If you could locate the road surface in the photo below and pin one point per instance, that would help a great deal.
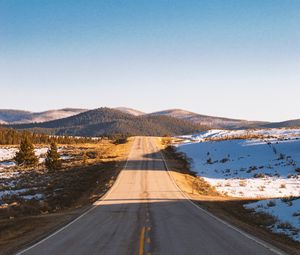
(145, 213)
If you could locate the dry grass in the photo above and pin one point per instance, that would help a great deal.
(67, 192)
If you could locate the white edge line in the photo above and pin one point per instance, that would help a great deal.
(82, 215)
(251, 237)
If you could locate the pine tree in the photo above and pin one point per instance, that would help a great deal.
(53, 161)
(25, 155)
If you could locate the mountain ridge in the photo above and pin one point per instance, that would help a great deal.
(109, 122)
(210, 121)
(11, 116)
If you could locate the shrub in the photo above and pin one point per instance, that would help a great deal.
(209, 161)
(285, 225)
(282, 186)
(91, 154)
(259, 175)
(224, 160)
(288, 199)
(271, 203)
(243, 183)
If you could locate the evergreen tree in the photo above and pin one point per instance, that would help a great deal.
(25, 155)
(53, 161)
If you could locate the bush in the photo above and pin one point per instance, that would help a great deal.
(259, 175)
(289, 199)
(91, 154)
(271, 203)
(285, 225)
(296, 214)
(209, 161)
(282, 186)
(224, 160)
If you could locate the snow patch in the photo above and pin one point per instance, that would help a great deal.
(286, 213)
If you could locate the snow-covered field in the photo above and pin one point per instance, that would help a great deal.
(256, 168)
(286, 213)
(265, 166)
(277, 133)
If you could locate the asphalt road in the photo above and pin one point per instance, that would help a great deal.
(145, 213)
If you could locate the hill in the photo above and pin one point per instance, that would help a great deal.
(209, 121)
(212, 122)
(11, 116)
(130, 111)
(18, 116)
(109, 122)
(288, 123)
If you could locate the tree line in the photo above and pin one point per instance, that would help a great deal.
(9, 136)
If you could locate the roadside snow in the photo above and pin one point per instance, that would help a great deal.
(286, 213)
(248, 168)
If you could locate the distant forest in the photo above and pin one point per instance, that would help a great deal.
(13, 137)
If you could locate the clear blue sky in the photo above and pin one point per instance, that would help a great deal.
(227, 58)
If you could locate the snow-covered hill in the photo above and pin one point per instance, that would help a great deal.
(130, 111)
(222, 134)
(16, 116)
(209, 121)
(266, 167)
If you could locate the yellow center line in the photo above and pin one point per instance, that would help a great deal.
(142, 241)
